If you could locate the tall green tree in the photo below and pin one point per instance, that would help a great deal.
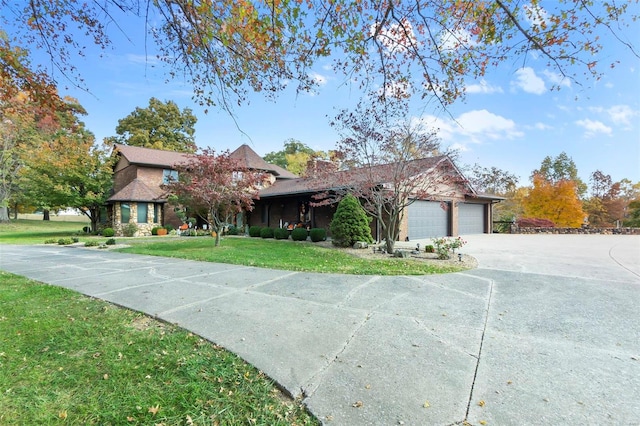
(561, 168)
(226, 48)
(66, 169)
(161, 125)
(350, 223)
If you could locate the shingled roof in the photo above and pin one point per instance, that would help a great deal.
(137, 190)
(377, 174)
(248, 158)
(151, 157)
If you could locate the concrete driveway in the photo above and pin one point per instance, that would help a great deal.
(545, 331)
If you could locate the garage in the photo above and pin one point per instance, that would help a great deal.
(428, 219)
(471, 218)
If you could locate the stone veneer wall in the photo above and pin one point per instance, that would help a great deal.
(144, 229)
(604, 231)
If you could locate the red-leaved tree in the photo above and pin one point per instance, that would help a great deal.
(217, 185)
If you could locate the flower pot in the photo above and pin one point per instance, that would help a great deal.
(162, 231)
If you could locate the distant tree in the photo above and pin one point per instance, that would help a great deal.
(557, 202)
(294, 157)
(492, 180)
(633, 218)
(350, 223)
(161, 125)
(561, 168)
(607, 204)
(386, 171)
(67, 169)
(216, 184)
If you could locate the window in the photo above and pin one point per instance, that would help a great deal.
(125, 213)
(142, 213)
(169, 176)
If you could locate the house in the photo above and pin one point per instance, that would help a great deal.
(139, 173)
(288, 200)
(452, 208)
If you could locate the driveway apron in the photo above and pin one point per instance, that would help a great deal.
(545, 331)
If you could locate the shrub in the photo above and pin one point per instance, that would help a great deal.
(65, 241)
(266, 233)
(350, 223)
(281, 234)
(429, 249)
(91, 243)
(299, 234)
(108, 232)
(86, 229)
(317, 234)
(130, 229)
(534, 222)
(232, 230)
(444, 246)
(169, 228)
(202, 233)
(75, 239)
(111, 242)
(51, 241)
(154, 230)
(254, 231)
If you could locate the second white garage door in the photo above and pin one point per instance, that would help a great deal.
(427, 219)
(470, 218)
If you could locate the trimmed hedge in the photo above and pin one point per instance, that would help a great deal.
(266, 233)
(299, 234)
(254, 231)
(108, 232)
(281, 234)
(317, 234)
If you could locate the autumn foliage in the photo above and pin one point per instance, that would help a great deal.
(217, 186)
(557, 202)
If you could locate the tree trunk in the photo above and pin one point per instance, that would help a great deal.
(4, 214)
(45, 214)
(15, 212)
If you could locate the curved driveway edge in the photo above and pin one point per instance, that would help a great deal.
(546, 331)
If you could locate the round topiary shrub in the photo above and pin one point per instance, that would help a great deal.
(254, 231)
(111, 242)
(317, 234)
(154, 230)
(281, 234)
(108, 232)
(299, 234)
(350, 223)
(266, 233)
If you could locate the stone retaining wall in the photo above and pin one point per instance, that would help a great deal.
(605, 231)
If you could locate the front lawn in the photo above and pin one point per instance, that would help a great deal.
(24, 231)
(69, 359)
(284, 254)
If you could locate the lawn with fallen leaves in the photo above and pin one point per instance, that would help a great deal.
(71, 359)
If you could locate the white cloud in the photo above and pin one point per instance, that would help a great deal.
(593, 127)
(622, 114)
(542, 126)
(483, 87)
(557, 79)
(142, 59)
(535, 15)
(456, 38)
(475, 127)
(320, 79)
(527, 80)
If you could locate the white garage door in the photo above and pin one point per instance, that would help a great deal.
(470, 219)
(427, 219)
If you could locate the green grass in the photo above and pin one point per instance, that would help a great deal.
(283, 254)
(37, 231)
(66, 358)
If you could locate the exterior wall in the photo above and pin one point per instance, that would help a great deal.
(122, 176)
(144, 229)
(152, 177)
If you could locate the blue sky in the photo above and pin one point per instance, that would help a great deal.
(510, 119)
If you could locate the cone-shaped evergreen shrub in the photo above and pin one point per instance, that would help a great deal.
(350, 223)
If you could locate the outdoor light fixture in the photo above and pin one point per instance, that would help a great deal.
(460, 257)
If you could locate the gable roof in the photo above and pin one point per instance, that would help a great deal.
(379, 174)
(151, 157)
(248, 158)
(137, 190)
